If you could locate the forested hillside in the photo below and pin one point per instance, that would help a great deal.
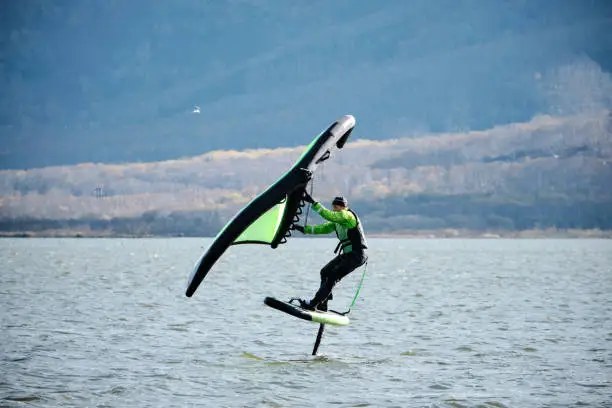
(550, 172)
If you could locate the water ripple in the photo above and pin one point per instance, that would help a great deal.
(441, 323)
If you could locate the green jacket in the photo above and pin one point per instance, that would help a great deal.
(338, 221)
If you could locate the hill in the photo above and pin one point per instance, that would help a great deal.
(550, 172)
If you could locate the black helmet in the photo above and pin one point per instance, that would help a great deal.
(340, 201)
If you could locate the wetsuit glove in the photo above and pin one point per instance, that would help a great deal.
(308, 198)
(298, 228)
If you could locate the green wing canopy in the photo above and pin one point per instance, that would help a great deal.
(264, 229)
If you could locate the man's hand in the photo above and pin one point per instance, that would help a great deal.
(308, 198)
(298, 228)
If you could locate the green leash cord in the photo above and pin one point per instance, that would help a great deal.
(358, 288)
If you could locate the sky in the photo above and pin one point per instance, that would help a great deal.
(117, 81)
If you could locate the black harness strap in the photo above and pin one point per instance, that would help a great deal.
(342, 244)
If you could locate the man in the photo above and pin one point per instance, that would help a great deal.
(352, 244)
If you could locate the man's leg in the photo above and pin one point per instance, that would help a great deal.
(332, 273)
(327, 283)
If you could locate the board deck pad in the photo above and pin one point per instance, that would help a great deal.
(317, 316)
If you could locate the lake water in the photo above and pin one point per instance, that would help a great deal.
(438, 323)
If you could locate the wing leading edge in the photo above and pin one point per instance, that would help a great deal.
(268, 217)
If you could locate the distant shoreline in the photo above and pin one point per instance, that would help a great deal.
(416, 234)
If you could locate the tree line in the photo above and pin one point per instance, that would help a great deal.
(183, 224)
(474, 212)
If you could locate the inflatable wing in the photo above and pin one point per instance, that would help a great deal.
(269, 216)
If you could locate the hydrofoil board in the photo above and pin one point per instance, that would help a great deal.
(317, 316)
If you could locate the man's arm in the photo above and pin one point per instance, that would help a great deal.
(319, 229)
(341, 217)
(315, 229)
